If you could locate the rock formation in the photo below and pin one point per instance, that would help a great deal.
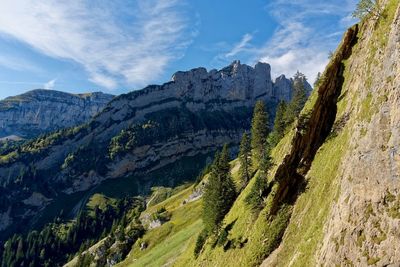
(42, 111)
(139, 132)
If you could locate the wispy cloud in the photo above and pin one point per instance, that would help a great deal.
(307, 31)
(18, 64)
(18, 82)
(226, 52)
(50, 84)
(116, 42)
(241, 46)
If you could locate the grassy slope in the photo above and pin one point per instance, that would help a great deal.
(167, 241)
(245, 225)
(261, 233)
(173, 242)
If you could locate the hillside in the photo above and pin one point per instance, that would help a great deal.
(162, 135)
(41, 111)
(334, 188)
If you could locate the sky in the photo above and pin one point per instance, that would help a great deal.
(116, 46)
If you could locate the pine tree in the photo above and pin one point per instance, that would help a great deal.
(259, 132)
(279, 123)
(318, 80)
(298, 100)
(245, 159)
(260, 189)
(219, 192)
(368, 7)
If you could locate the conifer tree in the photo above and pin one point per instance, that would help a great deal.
(245, 159)
(259, 132)
(368, 8)
(259, 190)
(279, 124)
(219, 192)
(298, 100)
(318, 80)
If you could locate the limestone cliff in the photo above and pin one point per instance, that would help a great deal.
(139, 132)
(41, 111)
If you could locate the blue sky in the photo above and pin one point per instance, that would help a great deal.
(116, 46)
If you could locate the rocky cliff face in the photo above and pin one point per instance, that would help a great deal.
(366, 217)
(353, 184)
(41, 111)
(195, 113)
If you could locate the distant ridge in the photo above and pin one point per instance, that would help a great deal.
(41, 110)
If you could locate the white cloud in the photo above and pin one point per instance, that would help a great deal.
(18, 64)
(132, 43)
(306, 33)
(50, 84)
(226, 52)
(241, 46)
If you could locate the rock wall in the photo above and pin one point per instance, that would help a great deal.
(225, 97)
(347, 211)
(365, 221)
(40, 111)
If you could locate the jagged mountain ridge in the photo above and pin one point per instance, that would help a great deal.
(193, 114)
(41, 111)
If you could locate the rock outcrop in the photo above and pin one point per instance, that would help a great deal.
(195, 113)
(365, 220)
(42, 111)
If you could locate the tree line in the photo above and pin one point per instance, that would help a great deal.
(59, 242)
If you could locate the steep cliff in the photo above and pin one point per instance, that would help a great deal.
(137, 134)
(42, 111)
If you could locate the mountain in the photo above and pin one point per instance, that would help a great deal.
(331, 196)
(42, 111)
(160, 135)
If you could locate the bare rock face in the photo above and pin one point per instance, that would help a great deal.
(282, 88)
(40, 111)
(365, 221)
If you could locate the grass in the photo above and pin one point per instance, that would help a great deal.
(161, 193)
(248, 229)
(367, 109)
(394, 211)
(165, 252)
(100, 201)
(165, 243)
(308, 217)
(311, 210)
